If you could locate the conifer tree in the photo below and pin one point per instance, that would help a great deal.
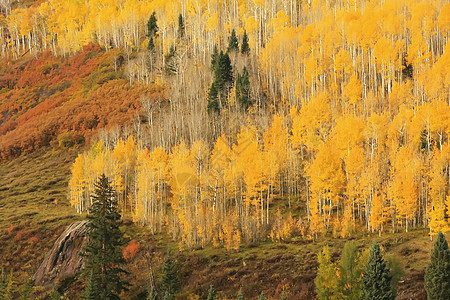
(181, 27)
(151, 44)
(214, 58)
(103, 252)
(170, 280)
(376, 279)
(223, 72)
(152, 26)
(213, 99)
(91, 291)
(245, 48)
(283, 295)
(437, 274)
(233, 44)
(243, 89)
(240, 295)
(262, 296)
(211, 293)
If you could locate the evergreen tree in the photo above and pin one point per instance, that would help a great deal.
(376, 279)
(170, 280)
(214, 58)
(437, 274)
(326, 281)
(245, 48)
(240, 295)
(213, 99)
(151, 44)
(152, 26)
(91, 291)
(181, 27)
(223, 72)
(262, 296)
(103, 252)
(350, 272)
(233, 44)
(283, 295)
(26, 291)
(223, 78)
(211, 293)
(243, 89)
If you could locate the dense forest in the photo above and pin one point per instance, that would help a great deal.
(228, 123)
(342, 105)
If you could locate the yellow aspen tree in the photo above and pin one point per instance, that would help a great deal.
(438, 189)
(77, 183)
(276, 145)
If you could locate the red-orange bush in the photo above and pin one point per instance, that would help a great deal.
(130, 251)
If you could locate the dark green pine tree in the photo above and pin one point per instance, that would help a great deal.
(437, 275)
(376, 281)
(243, 89)
(262, 296)
(103, 252)
(151, 44)
(211, 293)
(233, 44)
(181, 27)
(152, 26)
(91, 292)
(283, 295)
(245, 48)
(214, 58)
(170, 281)
(240, 295)
(223, 79)
(223, 73)
(213, 100)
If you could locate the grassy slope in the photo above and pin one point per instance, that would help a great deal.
(33, 200)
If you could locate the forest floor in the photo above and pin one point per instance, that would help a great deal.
(34, 211)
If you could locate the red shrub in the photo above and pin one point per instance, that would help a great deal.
(11, 228)
(130, 251)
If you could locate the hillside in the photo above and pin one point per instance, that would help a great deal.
(240, 138)
(45, 97)
(37, 211)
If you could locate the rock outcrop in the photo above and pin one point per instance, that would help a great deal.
(64, 258)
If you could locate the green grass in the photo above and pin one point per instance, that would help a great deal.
(33, 207)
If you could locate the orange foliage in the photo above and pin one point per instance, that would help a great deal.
(47, 96)
(130, 251)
